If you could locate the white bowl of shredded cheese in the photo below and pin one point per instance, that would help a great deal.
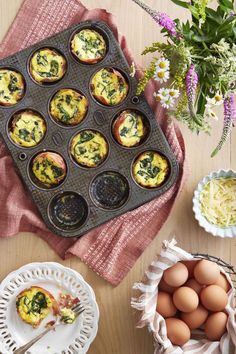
(214, 203)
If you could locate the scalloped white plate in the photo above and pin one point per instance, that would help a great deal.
(203, 222)
(66, 339)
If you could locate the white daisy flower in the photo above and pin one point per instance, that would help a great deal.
(167, 103)
(164, 93)
(209, 113)
(132, 70)
(162, 64)
(174, 93)
(216, 100)
(162, 76)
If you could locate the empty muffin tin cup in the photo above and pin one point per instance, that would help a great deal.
(68, 211)
(109, 190)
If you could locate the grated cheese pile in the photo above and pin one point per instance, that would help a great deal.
(218, 201)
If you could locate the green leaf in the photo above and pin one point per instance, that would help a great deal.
(213, 15)
(181, 3)
(194, 11)
(227, 4)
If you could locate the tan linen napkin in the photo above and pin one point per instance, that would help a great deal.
(147, 303)
(111, 249)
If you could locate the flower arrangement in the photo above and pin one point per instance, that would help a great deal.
(196, 67)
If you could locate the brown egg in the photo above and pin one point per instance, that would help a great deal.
(163, 286)
(165, 305)
(176, 275)
(215, 326)
(185, 299)
(190, 265)
(223, 282)
(206, 272)
(196, 318)
(177, 331)
(214, 298)
(193, 284)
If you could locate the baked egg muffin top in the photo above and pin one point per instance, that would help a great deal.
(109, 86)
(88, 46)
(34, 304)
(49, 168)
(89, 148)
(12, 87)
(128, 128)
(47, 65)
(150, 169)
(27, 128)
(68, 107)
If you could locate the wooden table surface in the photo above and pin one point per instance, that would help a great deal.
(117, 333)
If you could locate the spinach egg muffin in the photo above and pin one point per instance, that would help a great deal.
(34, 304)
(109, 87)
(49, 169)
(129, 129)
(68, 107)
(27, 128)
(47, 66)
(12, 87)
(88, 46)
(89, 148)
(150, 169)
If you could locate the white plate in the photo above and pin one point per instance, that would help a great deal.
(203, 222)
(66, 339)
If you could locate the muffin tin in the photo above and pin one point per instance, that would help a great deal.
(86, 197)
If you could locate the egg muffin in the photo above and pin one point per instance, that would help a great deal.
(68, 107)
(129, 129)
(49, 168)
(27, 128)
(89, 148)
(12, 87)
(47, 66)
(34, 304)
(150, 169)
(88, 46)
(109, 87)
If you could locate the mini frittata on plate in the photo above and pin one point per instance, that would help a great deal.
(109, 86)
(47, 66)
(150, 169)
(89, 148)
(49, 169)
(88, 46)
(34, 304)
(68, 107)
(27, 128)
(129, 128)
(12, 87)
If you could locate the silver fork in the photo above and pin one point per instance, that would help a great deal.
(78, 309)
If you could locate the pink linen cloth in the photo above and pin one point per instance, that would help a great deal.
(112, 248)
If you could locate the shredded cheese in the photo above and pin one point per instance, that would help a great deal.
(218, 201)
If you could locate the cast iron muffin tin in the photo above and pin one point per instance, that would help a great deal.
(87, 197)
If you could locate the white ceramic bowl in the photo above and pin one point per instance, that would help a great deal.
(211, 228)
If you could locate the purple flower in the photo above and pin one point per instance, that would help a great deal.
(166, 22)
(229, 116)
(191, 87)
(160, 17)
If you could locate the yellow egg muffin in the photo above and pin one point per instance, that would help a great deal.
(89, 148)
(47, 65)
(129, 129)
(109, 87)
(150, 169)
(12, 87)
(88, 46)
(49, 168)
(34, 304)
(27, 128)
(68, 107)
